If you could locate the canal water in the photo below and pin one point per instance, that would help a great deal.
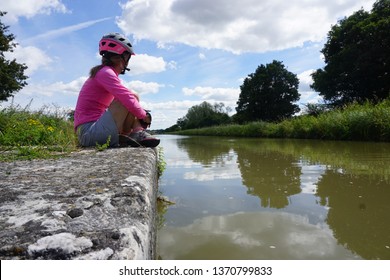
(238, 198)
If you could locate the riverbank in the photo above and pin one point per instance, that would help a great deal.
(88, 205)
(367, 122)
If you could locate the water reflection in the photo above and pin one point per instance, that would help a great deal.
(270, 175)
(252, 236)
(323, 199)
(359, 212)
(200, 150)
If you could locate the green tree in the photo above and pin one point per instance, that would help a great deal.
(204, 115)
(268, 94)
(357, 58)
(12, 78)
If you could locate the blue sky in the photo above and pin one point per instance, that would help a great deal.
(187, 51)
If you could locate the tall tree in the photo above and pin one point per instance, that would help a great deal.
(357, 57)
(268, 94)
(12, 78)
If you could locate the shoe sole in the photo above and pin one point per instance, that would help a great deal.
(125, 141)
(150, 143)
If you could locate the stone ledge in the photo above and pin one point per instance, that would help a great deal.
(90, 205)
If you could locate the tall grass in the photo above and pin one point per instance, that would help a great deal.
(26, 134)
(367, 122)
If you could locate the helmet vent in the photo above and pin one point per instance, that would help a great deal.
(112, 45)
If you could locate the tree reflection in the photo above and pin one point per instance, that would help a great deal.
(205, 150)
(359, 212)
(270, 175)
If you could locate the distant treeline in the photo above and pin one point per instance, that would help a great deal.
(358, 122)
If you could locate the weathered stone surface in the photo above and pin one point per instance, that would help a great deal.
(90, 205)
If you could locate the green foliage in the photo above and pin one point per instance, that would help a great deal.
(26, 135)
(268, 94)
(12, 76)
(357, 58)
(362, 122)
(161, 163)
(204, 115)
(253, 129)
(359, 122)
(103, 147)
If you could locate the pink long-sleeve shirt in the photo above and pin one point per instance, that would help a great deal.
(97, 94)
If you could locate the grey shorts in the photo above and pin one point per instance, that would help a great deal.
(99, 132)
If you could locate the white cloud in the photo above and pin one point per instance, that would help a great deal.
(219, 94)
(143, 87)
(58, 88)
(181, 106)
(143, 63)
(236, 26)
(30, 8)
(309, 97)
(33, 57)
(305, 80)
(307, 94)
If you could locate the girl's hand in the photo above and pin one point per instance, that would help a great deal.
(147, 121)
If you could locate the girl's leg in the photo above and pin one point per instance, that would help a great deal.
(129, 125)
(124, 120)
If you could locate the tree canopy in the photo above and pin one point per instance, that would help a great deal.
(203, 115)
(357, 58)
(12, 78)
(268, 94)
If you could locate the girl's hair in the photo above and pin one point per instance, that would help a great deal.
(108, 59)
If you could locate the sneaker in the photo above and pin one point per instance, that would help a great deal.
(144, 138)
(126, 141)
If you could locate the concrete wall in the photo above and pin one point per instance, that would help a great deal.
(90, 205)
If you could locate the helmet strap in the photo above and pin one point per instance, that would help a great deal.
(126, 62)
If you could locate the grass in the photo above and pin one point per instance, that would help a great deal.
(47, 133)
(356, 122)
(41, 134)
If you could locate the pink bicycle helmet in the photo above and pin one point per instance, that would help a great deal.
(115, 43)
